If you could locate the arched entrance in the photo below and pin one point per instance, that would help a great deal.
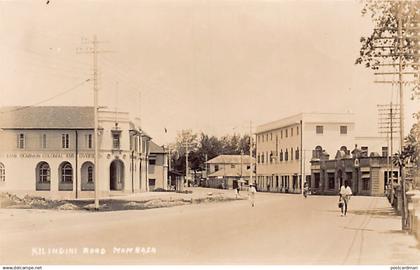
(116, 175)
(88, 176)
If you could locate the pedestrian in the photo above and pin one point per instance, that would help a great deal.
(345, 194)
(252, 192)
(305, 189)
(236, 193)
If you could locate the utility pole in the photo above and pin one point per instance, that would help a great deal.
(251, 171)
(205, 165)
(242, 154)
(94, 51)
(187, 152)
(402, 65)
(187, 171)
(388, 116)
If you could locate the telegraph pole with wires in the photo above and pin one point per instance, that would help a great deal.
(187, 145)
(405, 68)
(251, 171)
(93, 49)
(388, 123)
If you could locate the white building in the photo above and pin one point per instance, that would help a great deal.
(284, 147)
(158, 167)
(229, 171)
(49, 151)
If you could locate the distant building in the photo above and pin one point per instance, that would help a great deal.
(49, 151)
(229, 171)
(365, 174)
(158, 167)
(284, 147)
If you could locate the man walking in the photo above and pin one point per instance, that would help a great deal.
(345, 193)
(252, 192)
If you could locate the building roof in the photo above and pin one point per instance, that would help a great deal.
(156, 149)
(231, 159)
(48, 117)
(313, 117)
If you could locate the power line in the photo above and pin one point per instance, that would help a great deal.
(48, 99)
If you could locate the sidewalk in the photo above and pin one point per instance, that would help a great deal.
(371, 234)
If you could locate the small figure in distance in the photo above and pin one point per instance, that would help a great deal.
(252, 192)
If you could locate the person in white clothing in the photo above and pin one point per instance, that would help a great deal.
(252, 192)
(345, 194)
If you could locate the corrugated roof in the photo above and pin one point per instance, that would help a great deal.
(47, 117)
(231, 159)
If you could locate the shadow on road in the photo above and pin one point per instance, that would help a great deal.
(378, 212)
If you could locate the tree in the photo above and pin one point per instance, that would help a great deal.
(184, 138)
(202, 145)
(383, 43)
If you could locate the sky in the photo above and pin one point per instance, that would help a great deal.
(210, 66)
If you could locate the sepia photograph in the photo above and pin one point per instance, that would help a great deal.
(209, 133)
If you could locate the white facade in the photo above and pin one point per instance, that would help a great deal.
(296, 137)
(58, 161)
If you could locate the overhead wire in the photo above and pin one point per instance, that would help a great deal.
(47, 99)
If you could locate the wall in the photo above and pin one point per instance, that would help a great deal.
(20, 164)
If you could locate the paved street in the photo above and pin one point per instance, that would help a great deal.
(281, 229)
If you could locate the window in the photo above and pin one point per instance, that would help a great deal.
(291, 132)
(248, 167)
(291, 153)
(297, 154)
(116, 140)
(216, 167)
(317, 180)
(89, 141)
(286, 156)
(44, 141)
(281, 155)
(365, 184)
(331, 181)
(232, 166)
(286, 133)
(65, 141)
(66, 173)
(90, 174)
(297, 130)
(343, 130)
(319, 129)
(262, 158)
(384, 151)
(281, 134)
(152, 161)
(21, 141)
(2, 173)
(44, 173)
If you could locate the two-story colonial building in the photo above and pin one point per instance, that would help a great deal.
(229, 171)
(49, 151)
(284, 147)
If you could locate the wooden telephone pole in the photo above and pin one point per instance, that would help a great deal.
(94, 51)
(400, 54)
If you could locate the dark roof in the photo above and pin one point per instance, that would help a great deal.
(154, 148)
(48, 117)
